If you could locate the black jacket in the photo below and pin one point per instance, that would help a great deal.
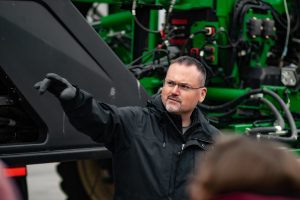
(152, 158)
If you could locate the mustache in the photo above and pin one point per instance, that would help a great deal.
(174, 98)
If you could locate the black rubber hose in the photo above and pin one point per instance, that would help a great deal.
(294, 133)
(261, 130)
(230, 104)
(275, 111)
(237, 101)
(277, 114)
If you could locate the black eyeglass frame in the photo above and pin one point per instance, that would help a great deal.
(181, 86)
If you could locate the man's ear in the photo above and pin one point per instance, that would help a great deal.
(202, 94)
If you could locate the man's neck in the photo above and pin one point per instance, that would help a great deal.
(186, 120)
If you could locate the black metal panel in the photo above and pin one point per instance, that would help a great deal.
(37, 37)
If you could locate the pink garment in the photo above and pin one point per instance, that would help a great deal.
(249, 196)
(8, 191)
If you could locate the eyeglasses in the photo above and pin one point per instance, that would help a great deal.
(181, 86)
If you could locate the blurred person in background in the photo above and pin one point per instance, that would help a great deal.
(246, 169)
(8, 190)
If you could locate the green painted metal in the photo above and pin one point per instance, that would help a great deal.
(291, 97)
(264, 43)
(224, 94)
(236, 129)
(153, 25)
(192, 4)
(116, 21)
(294, 99)
(151, 84)
(224, 8)
(220, 90)
(113, 26)
(277, 4)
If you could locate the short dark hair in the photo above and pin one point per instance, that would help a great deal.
(189, 61)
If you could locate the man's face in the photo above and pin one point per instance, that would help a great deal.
(181, 92)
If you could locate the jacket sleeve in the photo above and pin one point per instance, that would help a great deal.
(104, 123)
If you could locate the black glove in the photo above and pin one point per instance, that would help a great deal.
(57, 85)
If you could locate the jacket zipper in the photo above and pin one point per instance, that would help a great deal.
(172, 122)
(176, 166)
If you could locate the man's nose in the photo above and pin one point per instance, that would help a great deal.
(176, 89)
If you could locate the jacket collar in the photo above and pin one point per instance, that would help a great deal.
(156, 104)
(199, 121)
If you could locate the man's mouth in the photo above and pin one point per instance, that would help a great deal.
(174, 99)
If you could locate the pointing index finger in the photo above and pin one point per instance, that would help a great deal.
(43, 85)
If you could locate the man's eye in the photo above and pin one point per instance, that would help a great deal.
(184, 87)
(171, 83)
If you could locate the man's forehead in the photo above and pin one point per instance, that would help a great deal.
(188, 69)
(182, 66)
(183, 73)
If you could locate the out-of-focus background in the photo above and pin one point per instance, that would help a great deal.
(43, 182)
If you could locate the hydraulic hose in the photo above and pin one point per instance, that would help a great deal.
(220, 108)
(278, 116)
(230, 104)
(294, 134)
(261, 130)
(275, 111)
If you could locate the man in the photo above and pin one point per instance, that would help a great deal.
(154, 148)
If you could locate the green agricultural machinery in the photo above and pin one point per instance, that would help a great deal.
(250, 49)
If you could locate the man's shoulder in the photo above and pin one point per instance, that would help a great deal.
(206, 125)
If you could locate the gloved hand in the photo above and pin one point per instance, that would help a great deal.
(57, 85)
